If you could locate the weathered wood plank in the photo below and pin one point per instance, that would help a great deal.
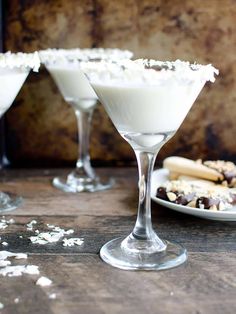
(196, 234)
(84, 284)
(41, 198)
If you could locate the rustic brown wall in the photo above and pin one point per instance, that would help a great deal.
(41, 127)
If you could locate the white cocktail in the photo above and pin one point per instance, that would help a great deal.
(64, 66)
(147, 101)
(14, 69)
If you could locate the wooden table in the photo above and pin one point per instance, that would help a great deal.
(83, 283)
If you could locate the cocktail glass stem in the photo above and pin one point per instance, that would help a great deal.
(83, 178)
(143, 237)
(83, 164)
(142, 248)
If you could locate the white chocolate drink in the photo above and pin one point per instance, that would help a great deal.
(11, 81)
(144, 103)
(14, 69)
(64, 66)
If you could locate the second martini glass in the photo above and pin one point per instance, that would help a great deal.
(14, 69)
(64, 66)
(147, 102)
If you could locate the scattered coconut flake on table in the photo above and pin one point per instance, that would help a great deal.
(32, 270)
(52, 296)
(43, 281)
(6, 269)
(54, 235)
(5, 254)
(50, 226)
(16, 300)
(4, 263)
(5, 223)
(21, 255)
(1, 306)
(31, 224)
(73, 241)
(42, 238)
(15, 271)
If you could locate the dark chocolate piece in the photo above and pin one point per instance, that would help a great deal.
(207, 202)
(184, 199)
(161, 193)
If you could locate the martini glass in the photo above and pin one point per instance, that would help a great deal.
(147, 101)
(64, 67)
(14, 69)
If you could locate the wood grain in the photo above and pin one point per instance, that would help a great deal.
(83, 283)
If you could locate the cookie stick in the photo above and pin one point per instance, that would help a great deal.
(191, 168)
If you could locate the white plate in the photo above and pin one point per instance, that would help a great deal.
(161, 176)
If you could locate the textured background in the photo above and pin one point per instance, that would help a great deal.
(41, 127)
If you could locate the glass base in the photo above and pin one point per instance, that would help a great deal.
(72, 184)
(116, 255)
(9, 202)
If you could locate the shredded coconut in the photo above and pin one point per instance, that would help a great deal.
(143, 72)
(4, 263)
(31, 224)
(21, 256)
(6, 269)
(15, 271)
(5, 223)
(4, 243)
(73, 241)
(43, 281)
(50, 226)
(1, 306)
(20, 60)
(16, 300)
(72, 57)
(5, 254)
(52, 296)
(49, 237)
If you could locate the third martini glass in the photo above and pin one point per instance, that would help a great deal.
(14, 69)
(64, 66)
(147, 101)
